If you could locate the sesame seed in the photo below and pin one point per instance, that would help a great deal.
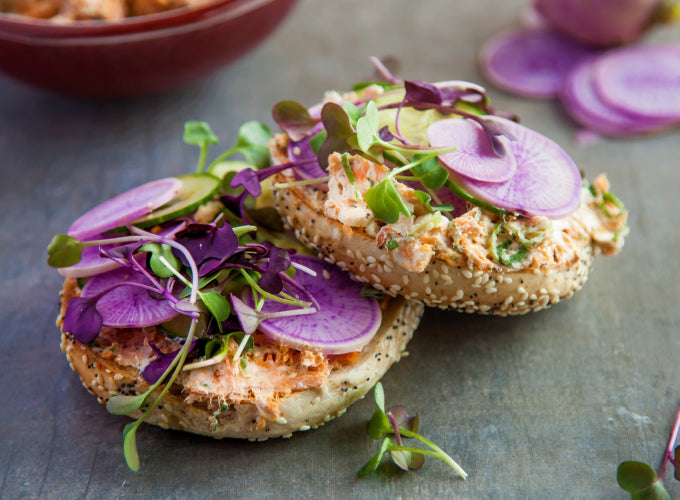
(426, 279)
(350, 254)
(375, 278)
(281, 421)
(118, 377)
(466, 273)
(370, 259)
(404, 279)
(84, 359)
(508, 300)
(326, 274)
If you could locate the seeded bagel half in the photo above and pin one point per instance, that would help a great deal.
(449, 263)
(198, 401)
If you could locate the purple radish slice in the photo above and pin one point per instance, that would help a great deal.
(475, 157)
(125, 208)
(127, 306)
(531, 63)
(642, 81)
(346, 322)
(547, 181)
(91, 263)
(584, 105)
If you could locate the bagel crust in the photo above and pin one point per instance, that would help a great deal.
(449, 265)
(220, 414)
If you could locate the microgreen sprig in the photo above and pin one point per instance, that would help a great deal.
(641, 480)
(395, 422)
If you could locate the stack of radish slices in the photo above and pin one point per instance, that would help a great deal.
(623, 92)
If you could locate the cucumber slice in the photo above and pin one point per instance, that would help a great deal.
(179, 326)
(196, 189)
(224, 168)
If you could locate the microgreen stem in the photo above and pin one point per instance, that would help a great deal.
(668, 456)
(221, 157)
(440, 454)
(241, 230)
(253, 284)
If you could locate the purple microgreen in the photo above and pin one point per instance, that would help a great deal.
(64, 251)
(385, 135)
(396, 422)
(418, 93)
(341, 136)
(207, 242)
(199, 134)
(384, 201)
(294, 119)
(82, 319)
(640, 479)
(250, 318)
(157, 367)
(247, 178)
(161, 250)
(382, 70)
(279, 261)
(130, 431)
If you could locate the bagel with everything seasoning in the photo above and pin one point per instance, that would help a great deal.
(424, 191)
(179, 311)
(290, 390)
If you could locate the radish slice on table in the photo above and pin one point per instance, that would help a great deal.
(547, 182)
(345, 323)
(127, 306)
(531, 63)
(642, 81)
(475, 157)
(125, 208)
(586, 107)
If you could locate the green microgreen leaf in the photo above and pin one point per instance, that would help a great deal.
(375, 460)
(430, 173)
(353, 112)
(64, 251)
(392, 244)
(130, 445)
(641, 481)
(470, 198)
(425, 199)
(125, 405)
(253, 137)
(161, 250)
(199, 134)
(317, 140)
(398, 424)
(218, 306)
(385, 202)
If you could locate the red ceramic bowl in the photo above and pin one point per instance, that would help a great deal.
(136, 56)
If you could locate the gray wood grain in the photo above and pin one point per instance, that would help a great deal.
(540, 406)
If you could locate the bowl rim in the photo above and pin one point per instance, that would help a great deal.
(31, 27)
(230, 9)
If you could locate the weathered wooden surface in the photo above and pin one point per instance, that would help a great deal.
(540, 406)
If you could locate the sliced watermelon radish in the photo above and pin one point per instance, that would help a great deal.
(127, 306)
(125, 208)
(547, 182)
(346, 322)
(642, 81)
(531, 62)
(585, 106)
(475, 157)
(91, 263)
